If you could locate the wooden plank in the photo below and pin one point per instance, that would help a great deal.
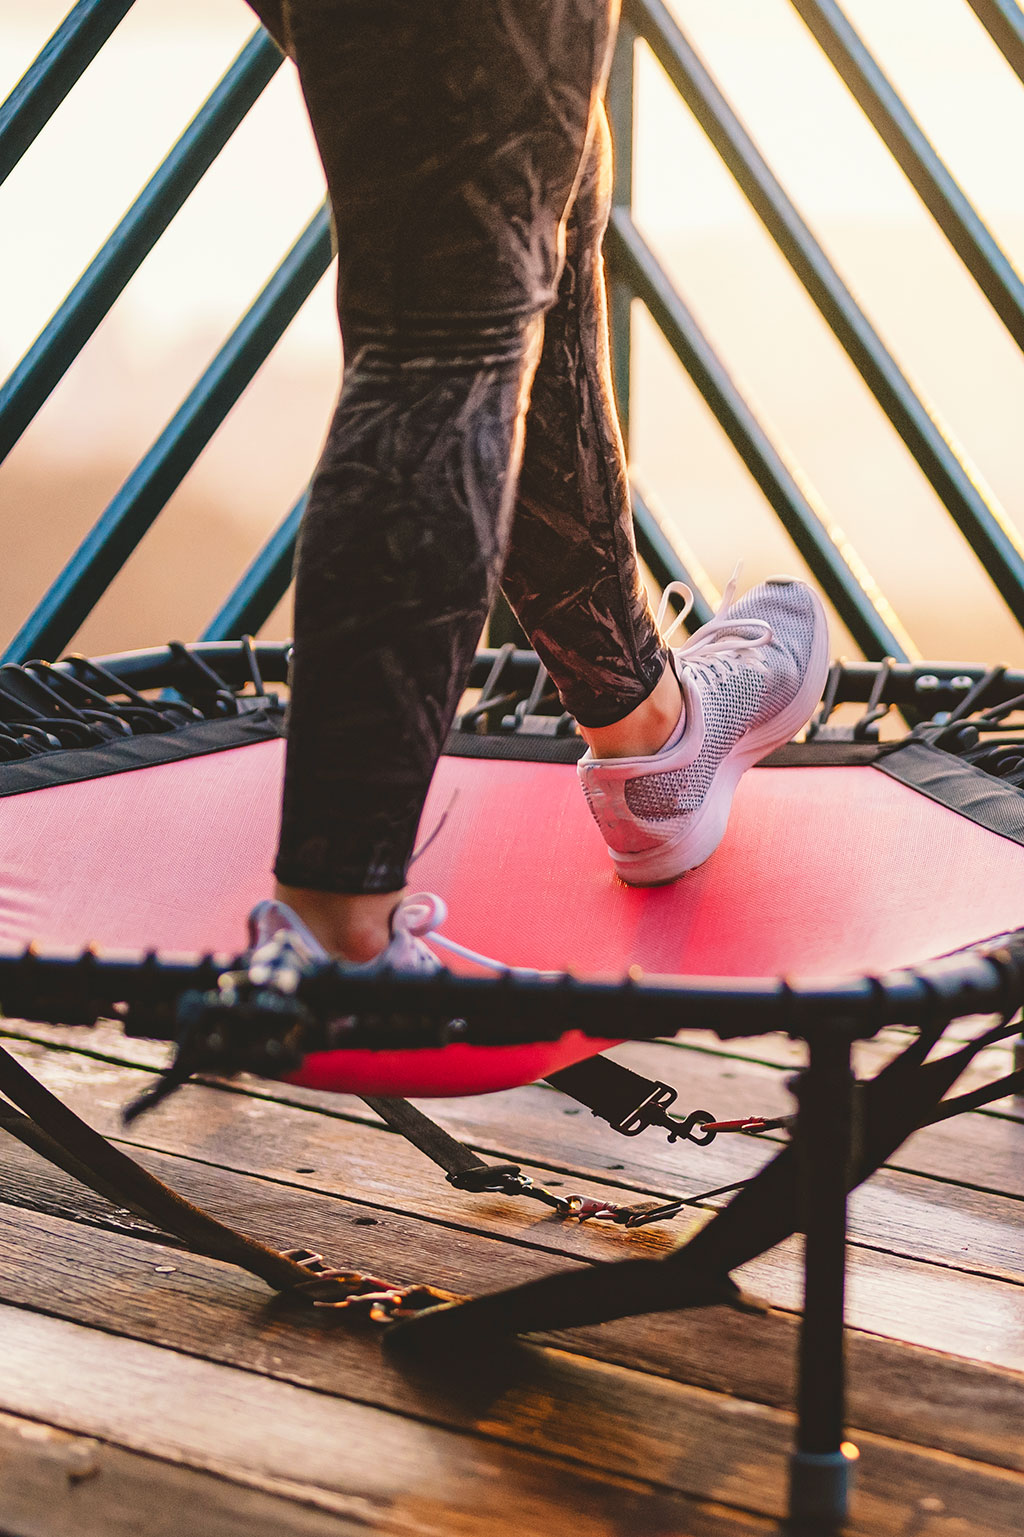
(780, 1051)
(729, 1087)
(384, 1472)
(887, 1295)
(772, 1050)
(131, 1285)
(678, 1061)
(54, 1483)
(894, 1212)
(993, 1144)
(655, 1438)
(904, 1300)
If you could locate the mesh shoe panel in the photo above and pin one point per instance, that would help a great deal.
(788, 610)
(729, 711)
(735, 701)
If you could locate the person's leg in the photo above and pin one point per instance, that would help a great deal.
(274, 16)
(571, 574)
(667, 743)
(452, 136)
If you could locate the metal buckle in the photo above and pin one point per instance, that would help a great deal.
(652, 1111)
(380, 1302)
(699, 1126)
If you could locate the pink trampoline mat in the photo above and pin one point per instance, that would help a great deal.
(823, 871)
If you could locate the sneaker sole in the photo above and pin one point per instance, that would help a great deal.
(700, 839)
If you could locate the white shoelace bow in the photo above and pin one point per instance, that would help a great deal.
(419, 915)
(718, 641)
(422, 913)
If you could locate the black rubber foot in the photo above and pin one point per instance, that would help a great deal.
(819, 1486)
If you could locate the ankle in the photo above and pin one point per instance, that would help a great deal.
(646, 729)
(356, 927)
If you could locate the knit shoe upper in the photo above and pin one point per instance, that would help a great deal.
(281, 946)
(278, 939)
(750, 679)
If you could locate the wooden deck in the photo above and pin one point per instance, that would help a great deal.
(148, 1391)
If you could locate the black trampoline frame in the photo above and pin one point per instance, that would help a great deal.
(79, 988)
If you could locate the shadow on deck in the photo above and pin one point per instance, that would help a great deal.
(142, 1382)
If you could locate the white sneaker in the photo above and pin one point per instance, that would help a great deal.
(279, 940)
(750, 678)
(281, 946)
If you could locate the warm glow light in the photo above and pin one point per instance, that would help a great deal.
(58, 206)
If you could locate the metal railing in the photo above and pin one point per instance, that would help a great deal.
(635, 275)
(101, 284)
(117, 532)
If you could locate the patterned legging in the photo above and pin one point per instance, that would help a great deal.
(475, 440)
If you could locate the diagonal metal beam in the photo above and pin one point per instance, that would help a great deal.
(58, 67)
(913, 152)
(1003, 20)
(835, 565)
(92, 297)
(666, 562)
(151, 484)
(264, 583)
(985, 525)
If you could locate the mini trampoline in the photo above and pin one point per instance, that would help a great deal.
(862, 882)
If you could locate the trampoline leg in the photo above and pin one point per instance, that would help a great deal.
(821, 1465)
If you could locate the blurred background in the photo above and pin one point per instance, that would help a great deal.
(102, 145)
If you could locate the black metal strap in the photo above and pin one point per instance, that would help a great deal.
(628, 1101)
(766, 1211)
(463, 1168)
(43, 1123)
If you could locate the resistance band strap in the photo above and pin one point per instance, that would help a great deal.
(90, 1158)
(462, 1167)
(888, 1108)
(628, 1101)
(466, 1171)
(43, 1123)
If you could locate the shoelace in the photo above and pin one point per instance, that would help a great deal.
(422, 914)
(279, 962)
(716, 643)
(280, 956)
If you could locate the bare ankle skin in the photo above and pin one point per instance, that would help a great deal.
(646, 729)
(355, 927)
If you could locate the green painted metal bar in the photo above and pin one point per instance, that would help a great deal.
(144, 494)
(620, 100)
(835, 567)
(654, 543)
(987, 528)
(57, 68)
(269, 575)
(251, 603)
(664, 561)
(910, 147)
(96, 291)
(1003, 20)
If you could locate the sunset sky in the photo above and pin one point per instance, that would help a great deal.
(58, 206)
